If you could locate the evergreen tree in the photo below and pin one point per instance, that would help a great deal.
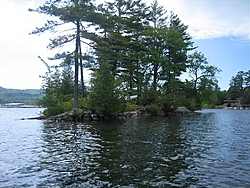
(236, 85)
(142, 47)
(119, 41)
(247, 79)
(156, 35)
(168, 44)
(57, 88)
(67, 80)
(104, 96)
(50, 88)
(239, 87)
(74, 12)
(178, 44)
(246, 96)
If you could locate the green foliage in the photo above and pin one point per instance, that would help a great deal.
(155, 109)
(201, 87)
(190, 103)
(246, 96)
(18, 95)
(240, 87)
(84, 103)
(150, 96)
(238, 84)
(70, 13)
(140, 51)
(208, 105)
(56, 104)
(104, 97)
(58, 90)
(220, 96)
(52, 110)
(168, 103)
(132, 107)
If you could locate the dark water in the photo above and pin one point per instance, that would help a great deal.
(211, 149)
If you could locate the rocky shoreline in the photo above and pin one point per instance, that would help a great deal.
(79, 115)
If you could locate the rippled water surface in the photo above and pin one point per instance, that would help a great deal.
(211, 149)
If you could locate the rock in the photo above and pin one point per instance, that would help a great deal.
(94, 117)
(80, 115)
(77, 112)
(182, 110)
(130, 114)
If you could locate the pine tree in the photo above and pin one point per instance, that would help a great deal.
(104, 97)
(67, 12)
(119, 40)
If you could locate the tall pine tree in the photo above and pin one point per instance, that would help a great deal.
(76, 12)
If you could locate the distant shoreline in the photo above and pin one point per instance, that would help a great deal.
(18, 105)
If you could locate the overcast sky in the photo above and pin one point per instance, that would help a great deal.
(220, 29)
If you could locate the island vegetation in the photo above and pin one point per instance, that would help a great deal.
(240, 88)
(141, 57)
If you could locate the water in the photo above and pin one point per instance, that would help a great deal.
(211, 149)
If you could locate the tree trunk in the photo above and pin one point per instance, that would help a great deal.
(155, 77)
(81, 67)
(76, 66)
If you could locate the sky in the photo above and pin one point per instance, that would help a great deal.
(220, 29)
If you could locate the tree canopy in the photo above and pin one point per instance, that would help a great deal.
(240, 87)
(146, 49)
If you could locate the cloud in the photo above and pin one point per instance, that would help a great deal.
(212, 19)
(209, 19)
(20, 67)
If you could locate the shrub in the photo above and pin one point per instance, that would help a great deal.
(104, 96)
(132, 107)
(155, 109)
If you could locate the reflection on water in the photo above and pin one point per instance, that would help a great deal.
(68, 153)
(211, 149)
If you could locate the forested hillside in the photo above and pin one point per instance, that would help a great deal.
(17, 95)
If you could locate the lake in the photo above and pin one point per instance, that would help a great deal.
(210, 149)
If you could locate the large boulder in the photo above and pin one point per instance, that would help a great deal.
(182, 110)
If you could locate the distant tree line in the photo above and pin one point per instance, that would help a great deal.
(29, 96)
(139, 56)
